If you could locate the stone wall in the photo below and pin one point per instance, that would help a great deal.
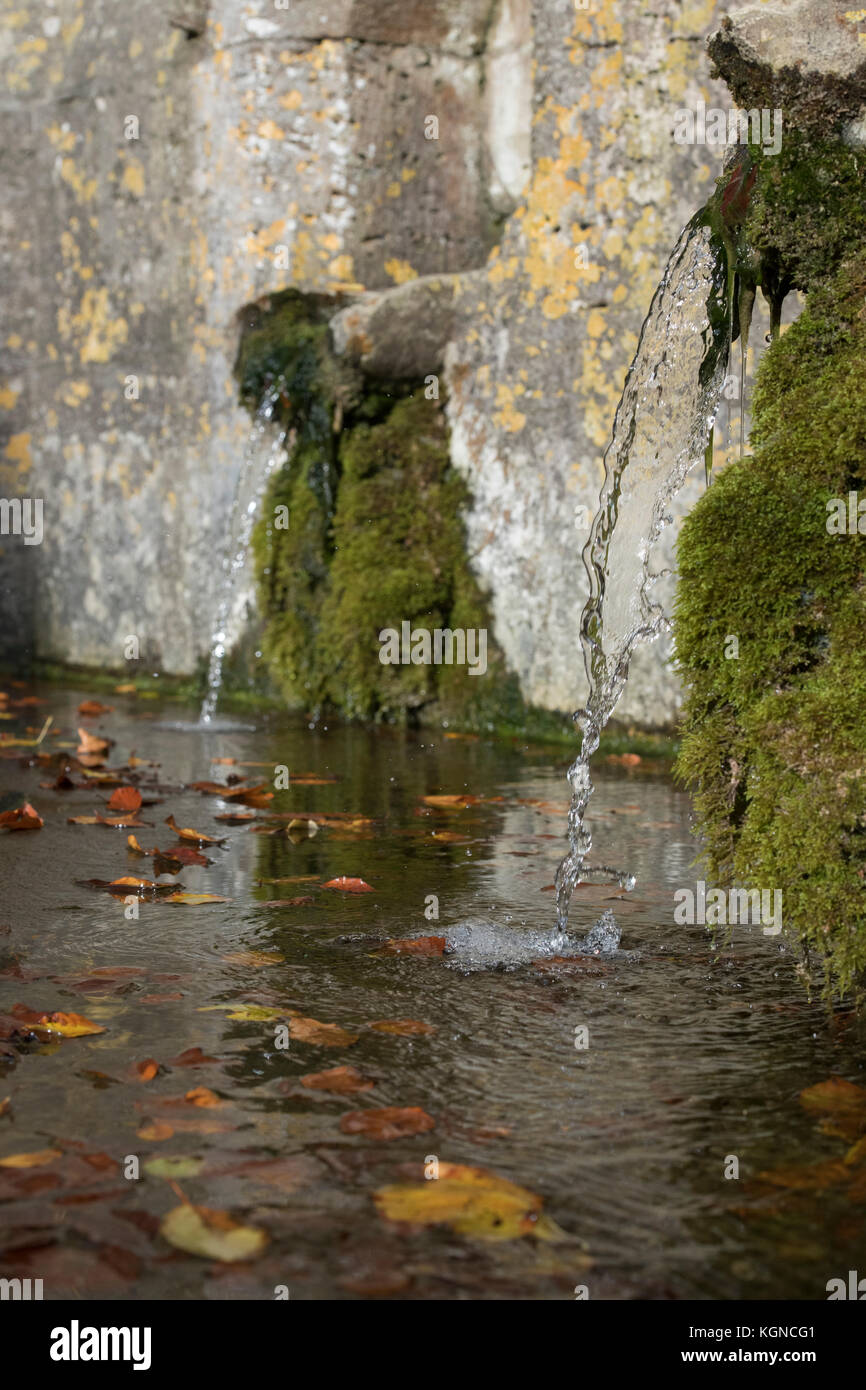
(166, 165)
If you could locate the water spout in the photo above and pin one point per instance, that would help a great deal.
(252, 481)
(663, 426)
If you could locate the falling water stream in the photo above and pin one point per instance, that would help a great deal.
(250, 487)
(661, 429)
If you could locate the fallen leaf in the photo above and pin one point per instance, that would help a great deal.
(125, 799)
(22, 818)
(349, 885)
(31, 1160)
(403, 1027)
(236, 817)
(192, 1057)
(809, 1177)
(342, 1081)
(66, 1024)
(287, 902)
(187, 834)
(321, 1034)
(841, 1103)
(196, 899)
(451, 801)
(415, 946)
(155, 1130)
(472, 1201)
(91, 708)
(147, 1069)
(128, 688)
(128, 886)
(247, 1013)
(92, 745)
(174, 1166)
(213, 1235)
(254, 958)
(392, 1122)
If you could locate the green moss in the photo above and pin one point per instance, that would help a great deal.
(375, 536)
(774, 742)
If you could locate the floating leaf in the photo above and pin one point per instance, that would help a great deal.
(128, 886)
(192, 1057)
(91, 708)
(302, 829)
(176, 1166)
(198, 836)
(247, 1013)
(450, 802)
(255, 958)
(322, 1034)
(125, 799)
(213, 1235)
(415, 946)
(287, 902)
(392, 1122)
(196, 899)
(342, 1081)
(22, 818)
(31, 1160)
(155, 1130)
(67, 1025)
(91, 745)
(402, 1027)
(349, 885)
(809, 1177)
(147, 1069)
(472, 1201)
(236, 817)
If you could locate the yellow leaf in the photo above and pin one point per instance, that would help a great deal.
(213, 1235)
(31, 1160)
(195, 899)
(69, 1025)
(473, 1202)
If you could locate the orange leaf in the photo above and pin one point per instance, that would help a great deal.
(23, 818)
(92, 743)
(155, 1129)
(349, 885)
(69, 1025)
(147, 1069)
(31, 1160)
(91, 708)
(125, 799)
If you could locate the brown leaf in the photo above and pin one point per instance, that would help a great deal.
(22, 818)
(450, 801)
(198, 836)
(287, 902)
(322, 1034)
(393, 1122)
(91, 708)
(342, 1081)
(403, 1027)
(192, 1057)
(91, 745)
(415, 946)
(147, 1069)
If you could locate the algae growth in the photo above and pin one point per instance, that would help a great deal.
(774, 727)
(361, 531)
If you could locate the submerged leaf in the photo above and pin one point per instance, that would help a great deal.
(391, 1122)
(342, 1081)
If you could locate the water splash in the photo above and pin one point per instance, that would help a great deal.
(662, 427)
(250, 488)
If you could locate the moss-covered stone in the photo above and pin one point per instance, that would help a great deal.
(774, 740)
(375, 535)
